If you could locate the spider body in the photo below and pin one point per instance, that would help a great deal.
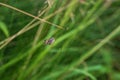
(50, 41)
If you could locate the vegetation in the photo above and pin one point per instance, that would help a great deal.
(86, 46)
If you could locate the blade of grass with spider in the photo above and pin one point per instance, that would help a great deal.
(26, 28)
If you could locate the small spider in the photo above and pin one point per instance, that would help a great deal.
(49, 41)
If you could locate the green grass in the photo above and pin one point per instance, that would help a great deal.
(86, 47)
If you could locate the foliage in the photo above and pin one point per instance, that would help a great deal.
(86, 43)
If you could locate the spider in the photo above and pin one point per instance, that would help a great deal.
(49, 41)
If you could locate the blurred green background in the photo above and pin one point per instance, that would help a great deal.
(87, 47)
